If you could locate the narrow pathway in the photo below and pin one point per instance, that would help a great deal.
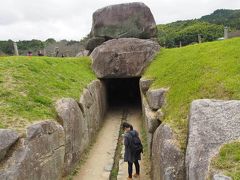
(101, 156)
(134, 118)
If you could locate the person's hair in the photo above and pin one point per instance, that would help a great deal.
(127, 125)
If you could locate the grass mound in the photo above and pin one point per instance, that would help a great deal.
(29, 86)
(208, 70)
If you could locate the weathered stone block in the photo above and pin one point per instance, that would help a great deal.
(167, 158)
(39, 156)
(152, 120)
(123, 58)
(136, 21)
(76, 132)
(7, 139)
(211, 124)
(81, 121)
(94, 42)
(94, 114)
(156, 98)
(145, 84)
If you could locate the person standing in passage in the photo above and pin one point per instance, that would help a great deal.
(129, 156)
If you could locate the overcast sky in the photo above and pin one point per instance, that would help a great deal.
(72, 19)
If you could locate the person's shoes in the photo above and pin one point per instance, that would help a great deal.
(136, 175)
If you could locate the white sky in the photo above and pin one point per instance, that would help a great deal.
(72, 19)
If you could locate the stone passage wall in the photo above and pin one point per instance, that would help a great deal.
(166, 157)
(212, 123)
(51, 150)
(80, 121)
(38, 156)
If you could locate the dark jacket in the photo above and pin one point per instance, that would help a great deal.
(128, 156)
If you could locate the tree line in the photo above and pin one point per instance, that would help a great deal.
(210, 28)
(71, 47)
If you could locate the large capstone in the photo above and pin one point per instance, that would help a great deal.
(124, 20)
(212, 123)
(123, 58)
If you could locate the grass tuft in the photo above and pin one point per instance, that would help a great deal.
(228, 160)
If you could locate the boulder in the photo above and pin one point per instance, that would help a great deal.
(123, 58)
(7, 139)
(76, 132)
(82, 53)
(156, 97)
(39, 156)
(167, 158)
(152, 120)
(94, 42)
(212, 123)
(145, 84)
(136, 21)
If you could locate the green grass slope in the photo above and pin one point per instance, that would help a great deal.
(228, 160)
(29, 87)
(208, 70)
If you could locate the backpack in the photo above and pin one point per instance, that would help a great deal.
(136, 146)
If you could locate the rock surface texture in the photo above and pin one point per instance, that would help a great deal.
(71, 117)
(7, 139)
(123, 58)
(124, 20)
(151, 117)
(80, 121)
(211, 124)
(145, 84)
(167, 158)
(150, 121)
(156, 97)
(221, 177)
(39, 156)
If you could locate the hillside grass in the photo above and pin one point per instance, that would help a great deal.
(228, 160)
(208, 70)
(29, 87)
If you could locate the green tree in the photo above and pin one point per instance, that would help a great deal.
(7, 47)
(186, 32)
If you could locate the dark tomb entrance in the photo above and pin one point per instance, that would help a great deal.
(123, 91)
